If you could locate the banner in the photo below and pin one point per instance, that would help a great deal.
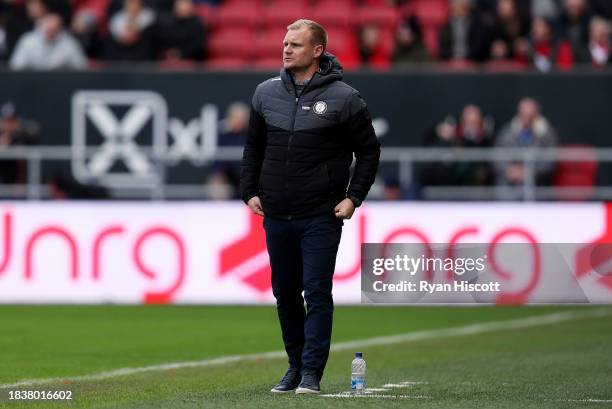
(214, 252)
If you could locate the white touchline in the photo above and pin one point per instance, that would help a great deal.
(470, 329)
(585, 400)
(349, 395)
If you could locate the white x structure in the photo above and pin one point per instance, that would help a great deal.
(185, 139)
(119, 139)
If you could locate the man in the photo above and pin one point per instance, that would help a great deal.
(182, 34)
(49, 46)
(14, 131)
(528, 129)
(304, 127)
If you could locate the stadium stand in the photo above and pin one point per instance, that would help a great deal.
(580, 30)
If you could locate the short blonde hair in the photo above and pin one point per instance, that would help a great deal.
(318, 35)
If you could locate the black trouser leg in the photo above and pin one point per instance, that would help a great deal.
(286, 263)
(320, 240)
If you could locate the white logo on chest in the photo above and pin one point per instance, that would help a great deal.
(319, 107)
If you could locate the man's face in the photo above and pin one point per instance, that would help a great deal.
(528, 112)
(298, 50)
(600, 33)
(183, 8)
(471, 118)
(575, 8)
(52, 25)
(540, 30)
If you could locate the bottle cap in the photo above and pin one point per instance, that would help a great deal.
(358, 354)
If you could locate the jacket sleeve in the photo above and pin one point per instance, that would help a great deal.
(364, 145)
(253, 154)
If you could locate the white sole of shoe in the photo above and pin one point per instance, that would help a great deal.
(306, 391)
(279, 391)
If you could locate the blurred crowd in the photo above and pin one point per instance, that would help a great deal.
(470, 128)
(539, 33)
(377, 34)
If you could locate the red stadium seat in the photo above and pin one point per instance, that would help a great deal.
(335, 14)
(350, 3)
(381, 60)
(580, 174)
(430, 38)
(98, 8)
(382, 15)
(283, 3)
(244, 3)
(239, 15)
(282, 14)
(227, 63)
(269, 63)
(231, 42)
(343, 44)
(380, 56)
(270, 43)
(431, 13)
(207, 14)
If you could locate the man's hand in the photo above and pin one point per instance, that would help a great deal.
(255, 205)
(345, 209)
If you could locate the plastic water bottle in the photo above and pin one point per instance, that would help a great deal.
(358, 370)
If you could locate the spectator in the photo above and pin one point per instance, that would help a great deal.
(598, 51)
(509, 31)
(544, 51)
(61, 7)
(159, 6)
(463, 36)
(574, 23)
(472, 130)
(13, 132)
(18, 18)
(409, 45)
(475, 130)
(85, 29)
(36, 10)
(233, 132)
(528, 129)
(219, 187)
(373, 51)
(488, 8)
(131, 32)
(234, 125)
(182, 34)
(48, 47)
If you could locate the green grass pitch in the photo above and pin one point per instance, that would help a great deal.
(566, 364)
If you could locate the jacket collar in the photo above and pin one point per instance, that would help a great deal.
(330, 70)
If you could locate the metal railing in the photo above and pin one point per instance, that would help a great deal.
(405, 158)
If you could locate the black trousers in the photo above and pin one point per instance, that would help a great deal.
(303, 257)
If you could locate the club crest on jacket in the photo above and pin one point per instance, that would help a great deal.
(319, 107)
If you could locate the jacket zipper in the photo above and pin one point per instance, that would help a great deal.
(295, 108)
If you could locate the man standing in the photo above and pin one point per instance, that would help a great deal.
(304, 128)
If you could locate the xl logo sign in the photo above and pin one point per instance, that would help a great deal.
(117, 136)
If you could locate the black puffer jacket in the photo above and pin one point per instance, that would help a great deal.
(300, 145)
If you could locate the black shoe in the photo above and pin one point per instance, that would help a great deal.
(309, 384)
(289, 382)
